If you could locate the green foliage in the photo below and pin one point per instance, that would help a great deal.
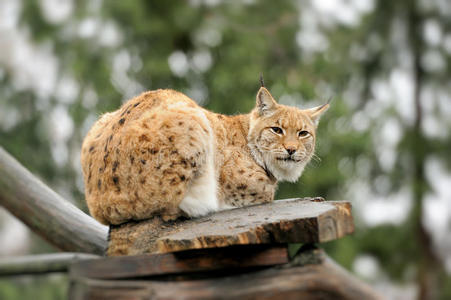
(48, 287)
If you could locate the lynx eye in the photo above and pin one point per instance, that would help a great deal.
(277, 130)
(303, 133)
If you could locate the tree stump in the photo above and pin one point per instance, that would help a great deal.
(305, 220)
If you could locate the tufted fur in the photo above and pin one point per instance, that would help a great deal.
(161, 153)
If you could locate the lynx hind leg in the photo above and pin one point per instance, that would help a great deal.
(190, 139)
(165, 158)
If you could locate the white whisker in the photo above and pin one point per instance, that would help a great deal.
(316, 158)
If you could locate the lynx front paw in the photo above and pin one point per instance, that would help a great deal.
(196, 207)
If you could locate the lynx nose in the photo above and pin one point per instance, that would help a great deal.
(290, 150)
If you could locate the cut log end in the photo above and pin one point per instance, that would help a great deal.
(285, 221)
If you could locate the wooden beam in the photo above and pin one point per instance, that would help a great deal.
(318, 277)
(236, 258)
(283, 221)
(47, 213)
(42, 263)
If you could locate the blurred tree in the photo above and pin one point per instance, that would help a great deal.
(395, 40)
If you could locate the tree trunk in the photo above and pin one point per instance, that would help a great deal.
(429, 263)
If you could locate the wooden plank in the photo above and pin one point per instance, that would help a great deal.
(321, 280)
(45, 212)
(42, 263)
(283, 221)
(192, 261)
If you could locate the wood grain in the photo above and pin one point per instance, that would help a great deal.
(283, 221)
(47, 213)
(236, 258)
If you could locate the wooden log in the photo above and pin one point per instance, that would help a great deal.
(236, 258)
(43, 263)
(45, 212)
(283, 221)
(318, 277)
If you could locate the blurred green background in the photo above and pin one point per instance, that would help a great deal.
(384, 145)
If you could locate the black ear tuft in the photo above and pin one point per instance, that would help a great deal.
(262, 83)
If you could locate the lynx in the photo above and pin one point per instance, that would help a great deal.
(162, 154)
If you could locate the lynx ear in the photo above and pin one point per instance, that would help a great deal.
(316, 112)
(265, 102)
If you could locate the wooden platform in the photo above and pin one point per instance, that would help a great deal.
(304, 220)
(237, 254)
(222, 273)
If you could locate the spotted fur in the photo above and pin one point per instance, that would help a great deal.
(162, 154)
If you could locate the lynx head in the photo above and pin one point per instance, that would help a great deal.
(282, 138)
